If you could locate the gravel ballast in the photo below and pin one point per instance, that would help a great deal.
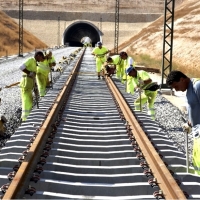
(168, 116)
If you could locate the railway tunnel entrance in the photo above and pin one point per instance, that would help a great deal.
(78, 30)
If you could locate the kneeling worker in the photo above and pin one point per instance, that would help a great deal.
(142, 81)
(118, 65)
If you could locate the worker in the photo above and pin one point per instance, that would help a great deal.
(118, 63)
(52, 63)
(128, 61)
(142, 83)
(42, 74)
(27, 83)
(100, 54)
(180, 82)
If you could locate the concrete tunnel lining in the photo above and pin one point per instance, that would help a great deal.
(77, 30)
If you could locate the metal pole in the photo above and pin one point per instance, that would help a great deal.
(186, 146)
(116, 27)
(186, 149)
(58, 42)
(20, 28)
(100, 24)
(167, 40)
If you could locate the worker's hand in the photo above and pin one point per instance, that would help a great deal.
(141, 82)
(32, 74)
(186, 128)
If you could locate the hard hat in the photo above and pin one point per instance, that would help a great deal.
(129, 69)
(99, 44)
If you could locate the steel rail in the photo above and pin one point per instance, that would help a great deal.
(20, 182)
(165, 180)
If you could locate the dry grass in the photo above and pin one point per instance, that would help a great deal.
(186, 45)
(9, 34)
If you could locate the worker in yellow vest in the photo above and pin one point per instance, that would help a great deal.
(100, 54)
(147, 89)
(27, 83)
(52, 63)
(42, 74)
(128, 61)
(118, 63)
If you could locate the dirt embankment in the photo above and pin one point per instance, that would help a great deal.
(186, 38)
(9, 34)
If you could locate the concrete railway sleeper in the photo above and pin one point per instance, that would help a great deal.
(85, 142)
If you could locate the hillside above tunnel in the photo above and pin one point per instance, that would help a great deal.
(103, 6)
(9, 32)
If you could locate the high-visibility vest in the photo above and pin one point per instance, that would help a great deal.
(43, 67)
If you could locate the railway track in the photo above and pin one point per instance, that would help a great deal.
(85, 142)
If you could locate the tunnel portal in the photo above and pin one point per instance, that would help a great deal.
(80, 29)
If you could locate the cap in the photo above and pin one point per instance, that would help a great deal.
(129, 69)
(99, 44)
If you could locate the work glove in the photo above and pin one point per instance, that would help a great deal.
(141, 82)
(186, 128)
(196, 131)
(138, 90)
(32, 74)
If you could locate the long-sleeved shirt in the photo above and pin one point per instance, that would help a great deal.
(193, 100)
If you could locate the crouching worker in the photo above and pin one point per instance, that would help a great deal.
(108, 68)
(147, 89)
(115, 65)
